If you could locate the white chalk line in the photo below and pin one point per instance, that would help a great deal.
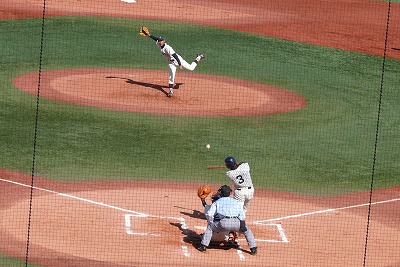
(279, 228)
(182, 220)
(80, 199)
(184, 228)
(129, 1)
(127, 221)
(326, 211)
(128, 226)
(127, 217)
(240, 254)
(185, 251)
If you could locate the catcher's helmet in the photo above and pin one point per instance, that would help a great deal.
(230, 163)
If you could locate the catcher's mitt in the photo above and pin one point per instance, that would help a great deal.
(144, 31)
(203, 191)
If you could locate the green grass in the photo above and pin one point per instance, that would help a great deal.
(326, 148)
(8, 261)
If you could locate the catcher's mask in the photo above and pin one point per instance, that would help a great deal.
(225, 191)
(230, 163)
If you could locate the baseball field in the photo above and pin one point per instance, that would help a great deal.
(99, 168)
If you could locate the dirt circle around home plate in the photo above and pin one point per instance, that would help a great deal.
(148, 223)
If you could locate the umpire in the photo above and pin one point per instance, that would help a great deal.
(226, 214)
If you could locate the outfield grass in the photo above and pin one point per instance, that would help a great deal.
(326, 148)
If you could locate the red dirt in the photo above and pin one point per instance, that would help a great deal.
(354, 25)
(130, 90)
(84, 224)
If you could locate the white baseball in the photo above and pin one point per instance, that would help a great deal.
(208, 146)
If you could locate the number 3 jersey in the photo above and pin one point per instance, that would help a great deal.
(240, 176)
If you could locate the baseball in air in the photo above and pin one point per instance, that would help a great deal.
(208, 146)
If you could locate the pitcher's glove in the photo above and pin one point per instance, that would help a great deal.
(203, 191)
(144, 31)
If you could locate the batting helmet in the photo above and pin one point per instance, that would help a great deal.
(230, 163)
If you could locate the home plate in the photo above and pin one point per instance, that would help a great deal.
(129, 1)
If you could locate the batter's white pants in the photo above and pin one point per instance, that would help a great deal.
(173, 65)
(244, 195)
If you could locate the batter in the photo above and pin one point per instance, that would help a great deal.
(239, 173)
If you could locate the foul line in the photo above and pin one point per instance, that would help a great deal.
(127, 222)
(326, 211)
(77, 198)
(182, 220)
(127, 216)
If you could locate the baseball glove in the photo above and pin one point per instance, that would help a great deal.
(144, 31)
(203, 191)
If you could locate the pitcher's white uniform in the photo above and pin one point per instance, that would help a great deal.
(174, 60)
(244, 189)
(167, 52)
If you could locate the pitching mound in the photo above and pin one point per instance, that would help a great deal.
(134, 90)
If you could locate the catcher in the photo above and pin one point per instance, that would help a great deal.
(227, 238)
(174, 60)
(226, 214)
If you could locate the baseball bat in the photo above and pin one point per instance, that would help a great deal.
(215, 167)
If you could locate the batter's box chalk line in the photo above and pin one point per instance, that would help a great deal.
(130, 217)
(279, 228)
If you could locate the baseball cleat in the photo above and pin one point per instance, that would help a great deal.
(199, 57)
(253, 251)
(170, 94)
(202, 248)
